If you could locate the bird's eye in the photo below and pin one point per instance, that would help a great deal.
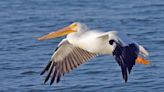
(111, 42)
(74, 25)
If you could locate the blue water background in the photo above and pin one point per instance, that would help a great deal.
(22, 57)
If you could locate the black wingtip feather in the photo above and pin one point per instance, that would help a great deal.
(58, 78)
(53, 77)
(49, 74)
(46, 68)
(43, 71)
(124, 73)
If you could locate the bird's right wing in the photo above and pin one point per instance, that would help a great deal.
(66, 58)
(126, 57)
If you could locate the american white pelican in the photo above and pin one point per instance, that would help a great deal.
(82, 44)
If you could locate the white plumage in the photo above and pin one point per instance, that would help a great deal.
(82, 44)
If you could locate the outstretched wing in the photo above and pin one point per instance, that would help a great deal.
(65, 59)
(126, 57)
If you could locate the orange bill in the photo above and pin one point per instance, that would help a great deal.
(141, 60)
(64, 31)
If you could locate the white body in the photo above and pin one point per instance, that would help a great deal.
(89, 41)
(94, 41)
(84, 44)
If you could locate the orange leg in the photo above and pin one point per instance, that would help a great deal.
(141, 60)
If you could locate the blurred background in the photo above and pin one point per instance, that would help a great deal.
(22, 57)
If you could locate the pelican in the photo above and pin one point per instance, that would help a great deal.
(81, 44)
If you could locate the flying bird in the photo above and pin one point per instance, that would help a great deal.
(81, 44)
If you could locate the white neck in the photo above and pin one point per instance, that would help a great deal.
(74, 38)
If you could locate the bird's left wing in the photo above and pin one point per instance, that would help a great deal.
(66, 58)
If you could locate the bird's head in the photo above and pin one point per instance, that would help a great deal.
(72, 28)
